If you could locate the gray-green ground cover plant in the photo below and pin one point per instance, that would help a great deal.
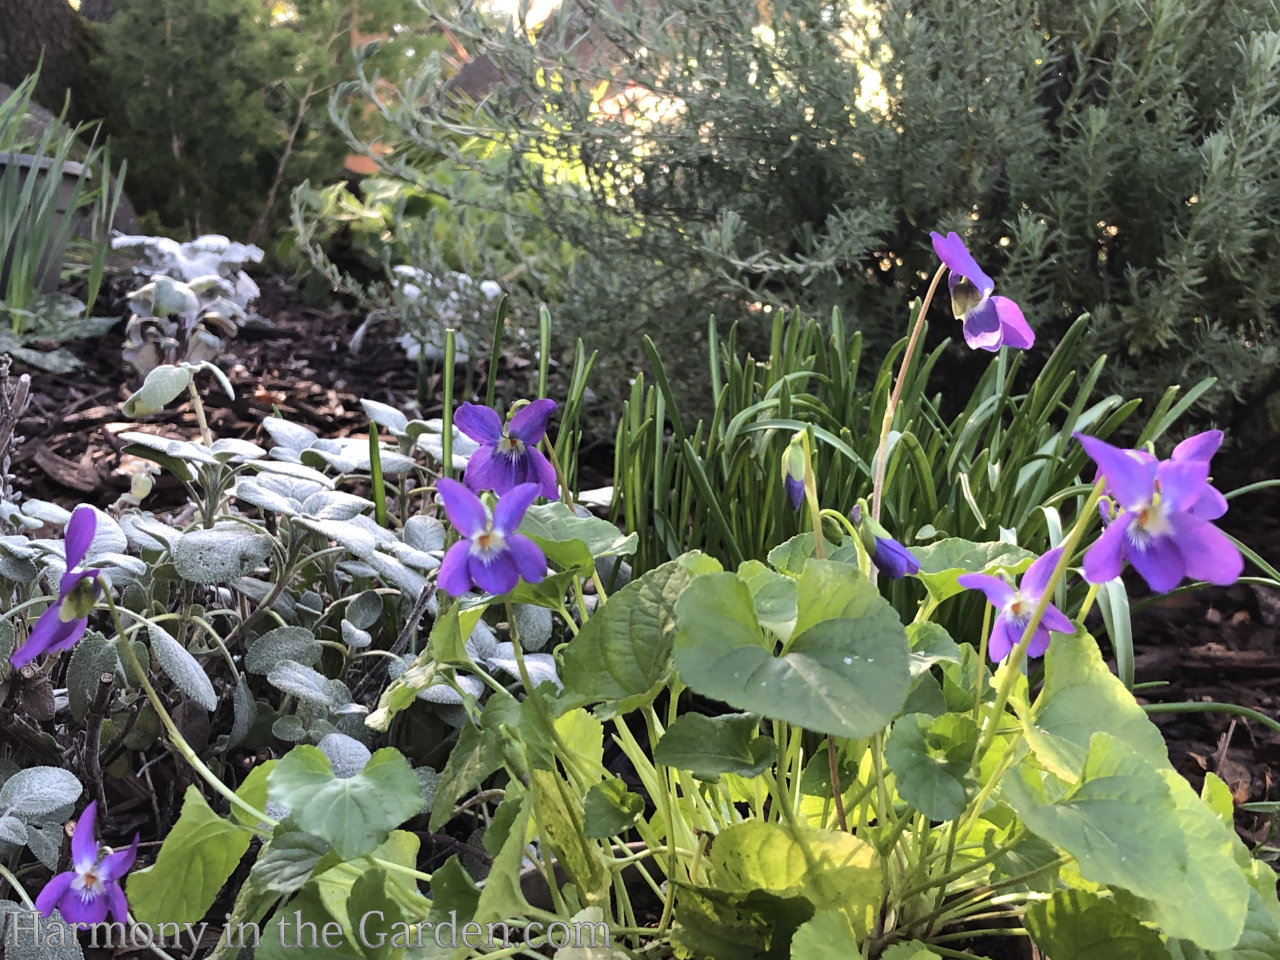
(420, 634)
(197, 297)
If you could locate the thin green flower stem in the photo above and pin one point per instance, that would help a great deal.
(979, 802)
(795, 765)
(781, 800)
(947, 861)
(968, 868)
(641, 869)
(858, 798)
(955, 909)
(840, 518)
(581, 600)
(644, 767)
(624, 900)
(18, 888)
(1002, 363)
(890, 843)
(601, 592)
(990, 932)
(833, 765)
(566, 496)
(882, 792)
(1213, 707)
(549, 876)
(820, 551)
(891, 407)
(918, 851)
(997, 914)
(1089, 599)
(179, 742)
(199, 622)
(633, 858)
(567, 617)
(667, 796)
(1010, 669)
(782, 742)
(446, 414)
(948, 954)
(864, 803)
(883, 812)
(811, 498)
(669, 898)
(205, 435)
(983, 644)
(572, 760)
(30, 602)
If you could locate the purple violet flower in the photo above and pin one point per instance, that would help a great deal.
(1200, 448)
(84, 894)
(508, 455)
(890, 557)
(989, 322)
(490, 555)
(893, 559)
(793, 470)
(1015, 606)
(64, 622)
(795, 492)
(1162, 527)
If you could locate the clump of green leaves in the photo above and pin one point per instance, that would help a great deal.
(50, 205)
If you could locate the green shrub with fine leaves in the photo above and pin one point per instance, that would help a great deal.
(715, 156)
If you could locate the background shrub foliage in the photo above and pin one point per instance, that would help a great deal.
(715, 155)
(224, 103)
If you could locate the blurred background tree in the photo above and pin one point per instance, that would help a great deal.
(36, 30)
(226, 102)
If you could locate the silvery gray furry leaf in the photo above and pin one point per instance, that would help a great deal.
(182, 668)
(347, 756)
(354, 637)
(424, 533)
(220, 554)
(290, 438)
(533, 625)
(38, 791)
(283, 643)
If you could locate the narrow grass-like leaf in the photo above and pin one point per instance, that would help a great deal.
(375, 478)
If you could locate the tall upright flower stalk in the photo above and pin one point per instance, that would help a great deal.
(877, 484)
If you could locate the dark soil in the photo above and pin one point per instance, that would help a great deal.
(1215, 645)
